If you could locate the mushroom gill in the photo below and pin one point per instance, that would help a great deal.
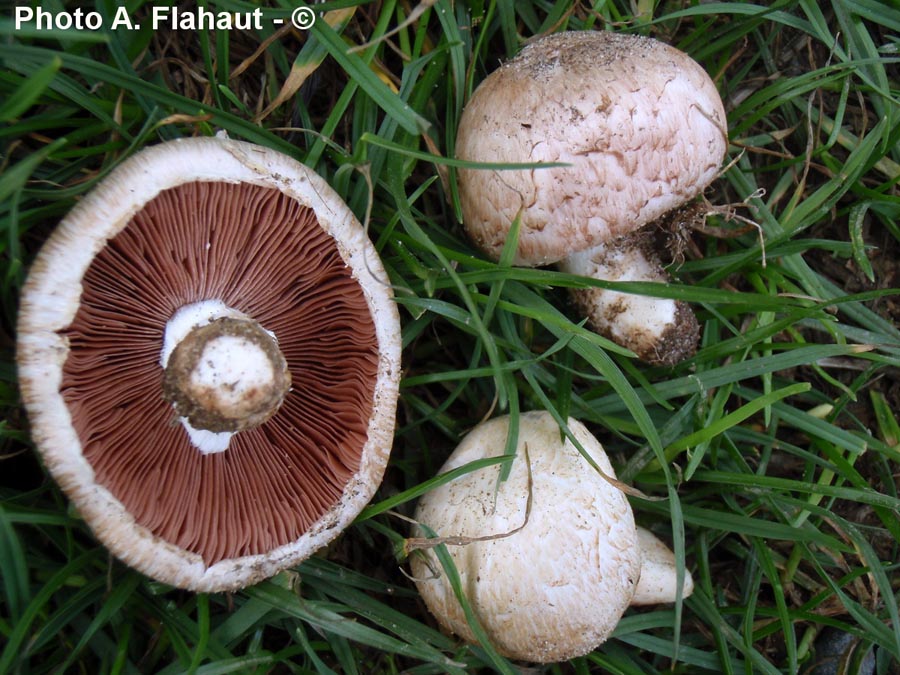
(261, 252)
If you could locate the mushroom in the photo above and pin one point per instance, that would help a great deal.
(639, 129)
(209, 356)
(549, 558)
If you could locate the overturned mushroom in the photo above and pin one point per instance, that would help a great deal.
(641, 130)
(548, 559)
(209, 356)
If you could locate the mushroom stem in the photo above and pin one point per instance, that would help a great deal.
(660, 331)
(659, 575)
(224, 374)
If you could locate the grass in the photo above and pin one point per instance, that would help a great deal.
(771, 456)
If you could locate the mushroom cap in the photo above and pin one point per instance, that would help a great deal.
(95, 305)
(554, 589)
(639, 124)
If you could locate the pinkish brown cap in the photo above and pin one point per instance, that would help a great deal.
(241, 270)
(639, 122)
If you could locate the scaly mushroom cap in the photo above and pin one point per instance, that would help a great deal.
(209, 356)
(640, 123)
(554, 589)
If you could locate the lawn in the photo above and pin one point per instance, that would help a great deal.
(768, 460)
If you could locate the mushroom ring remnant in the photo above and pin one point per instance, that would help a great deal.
(638, 129)
(209, 355)
(551, 557)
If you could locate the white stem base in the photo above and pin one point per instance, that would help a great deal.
(659, 575)
(659, 330)
(229, 383)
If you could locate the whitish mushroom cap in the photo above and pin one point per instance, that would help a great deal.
(659, 572)
(639, 122)
(555, 589)
(165, 230)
